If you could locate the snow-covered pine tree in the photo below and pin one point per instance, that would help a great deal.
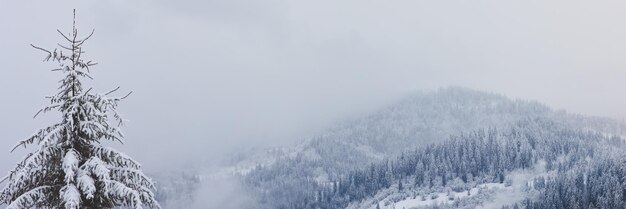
(71, 169)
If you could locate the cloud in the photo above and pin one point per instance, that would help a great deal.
(211, 77)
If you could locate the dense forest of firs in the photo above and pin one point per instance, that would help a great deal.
(587, 173)
(600, 185)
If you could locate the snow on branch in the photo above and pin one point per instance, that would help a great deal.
(128, 195)
(42, 135)
(114, 157)
(86, 184)
(70, 165)
(70, 196)
(30, 198)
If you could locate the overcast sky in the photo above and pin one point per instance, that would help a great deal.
(210, 76)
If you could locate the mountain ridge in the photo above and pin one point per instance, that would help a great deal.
(281, 177)
(419, 120)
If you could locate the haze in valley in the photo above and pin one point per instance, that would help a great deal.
(214, 77)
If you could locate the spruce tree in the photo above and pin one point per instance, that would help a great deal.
(70, 168)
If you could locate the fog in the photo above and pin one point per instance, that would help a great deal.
(213, 77)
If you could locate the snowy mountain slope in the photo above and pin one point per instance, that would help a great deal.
(416, 121)
(285, 177)
(479, 158)
(426, 118)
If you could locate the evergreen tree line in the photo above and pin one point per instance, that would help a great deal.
(600, 185)
(480, 156)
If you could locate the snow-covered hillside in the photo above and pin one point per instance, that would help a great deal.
(417, 121)
(303, 175)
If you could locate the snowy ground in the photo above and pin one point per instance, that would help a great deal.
(517, 191)
(487, 195)
(442, 198)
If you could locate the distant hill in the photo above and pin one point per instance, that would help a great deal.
(305, 175)
(416, 121)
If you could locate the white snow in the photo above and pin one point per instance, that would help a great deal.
(516, 192)
(71, 196)
(505, 194)
(70, 165)
(442, 198)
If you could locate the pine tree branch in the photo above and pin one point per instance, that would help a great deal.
(129, 93)
(42, 49)
(28, 199)
(81, 42)
(110, 92)
(66, 38)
